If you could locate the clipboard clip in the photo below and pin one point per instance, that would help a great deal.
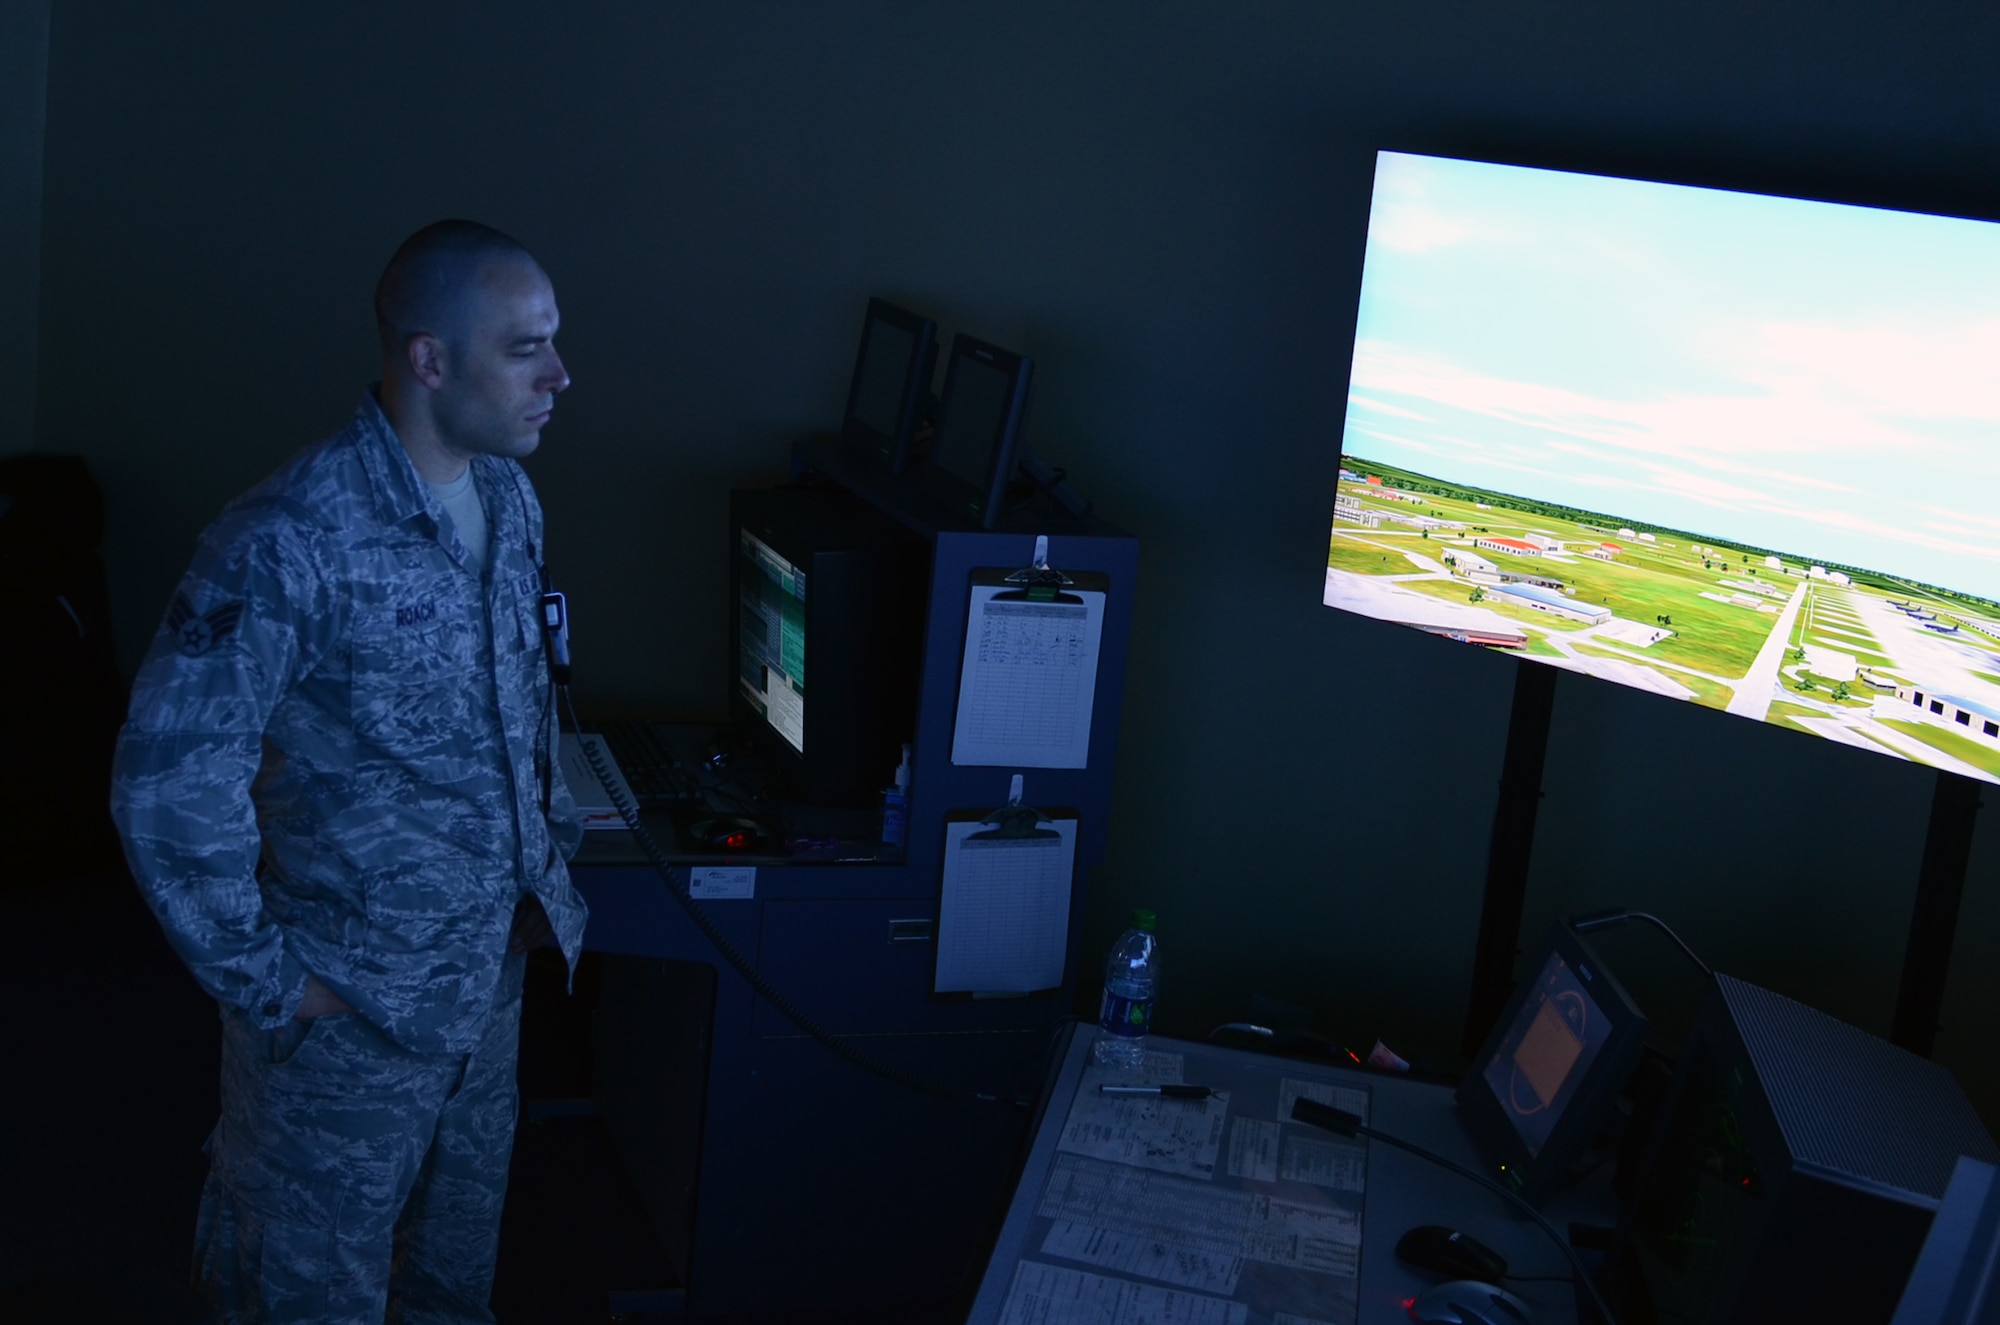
(1041, 575)
(1014, 820)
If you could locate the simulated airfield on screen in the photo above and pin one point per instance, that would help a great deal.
(1838, 652)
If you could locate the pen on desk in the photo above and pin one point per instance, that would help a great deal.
(1170, 1092)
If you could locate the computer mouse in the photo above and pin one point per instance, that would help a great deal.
(1469, 1302)
(1447, 1252)
(732, 835)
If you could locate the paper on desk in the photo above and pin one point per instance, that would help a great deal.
(1322, 1239)
(1052, 1295)
(1253, 1149)
(1341, 1165)
(1349, 1099)
(1029, 680)
(1151, 1225)
(1003, 919)
(1151, 1131)
(594, 806)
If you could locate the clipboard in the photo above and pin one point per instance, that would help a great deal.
(1003, 910)
(1027, 682)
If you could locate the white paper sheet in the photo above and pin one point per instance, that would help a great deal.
(1341, 1165)
(1029, 680)
(1003, 920)
(1150, 1225)
(717, 883)
(1317, 1238)
(1253, 1150)
(1052, 1295)
(1150, 1131)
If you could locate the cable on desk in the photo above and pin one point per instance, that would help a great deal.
(1342, 1123)
(628, 810)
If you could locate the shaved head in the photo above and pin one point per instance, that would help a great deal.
(468, 321)
(426, 285)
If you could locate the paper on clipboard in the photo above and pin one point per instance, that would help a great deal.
(1003, 923)
(1029, 679)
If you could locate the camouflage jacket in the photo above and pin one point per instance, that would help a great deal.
(329, 767)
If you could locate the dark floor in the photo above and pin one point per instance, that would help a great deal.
(110, 1092)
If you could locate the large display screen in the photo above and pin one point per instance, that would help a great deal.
(771, 638)
(1727, 448)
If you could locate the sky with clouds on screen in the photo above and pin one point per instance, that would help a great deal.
(1816, 378)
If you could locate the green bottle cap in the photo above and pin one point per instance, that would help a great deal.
(1142, 919)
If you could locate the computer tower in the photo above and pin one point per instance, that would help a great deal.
(1957, 1277)
(1793, 1173)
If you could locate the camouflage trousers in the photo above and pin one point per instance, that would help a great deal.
(353, 1180)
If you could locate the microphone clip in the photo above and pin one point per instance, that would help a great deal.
(555, 626)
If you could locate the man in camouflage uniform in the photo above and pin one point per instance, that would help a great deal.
(338, 792)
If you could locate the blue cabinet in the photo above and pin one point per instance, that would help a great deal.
(808, 1182)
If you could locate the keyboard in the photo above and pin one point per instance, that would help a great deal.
(657, 777)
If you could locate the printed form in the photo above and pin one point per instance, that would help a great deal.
(1153, 1225)
(1150, 1131)
(1253, 1150)
(1051, 1295)
(1182, 1212)
(1029, 680)
(1182, 1231)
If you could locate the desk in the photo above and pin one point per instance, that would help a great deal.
(1401, 1191)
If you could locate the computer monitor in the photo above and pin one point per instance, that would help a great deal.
(826, 618)
(1793, 1171)
(974, 452)
(892, 383)
(1725, 448)
(1546, 1083)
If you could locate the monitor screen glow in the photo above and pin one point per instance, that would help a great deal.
(771, 639)
(1726, 448)
(1547, 1051)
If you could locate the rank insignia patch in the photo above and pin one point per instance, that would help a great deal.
(196, 635)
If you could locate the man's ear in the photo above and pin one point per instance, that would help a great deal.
(426, 357)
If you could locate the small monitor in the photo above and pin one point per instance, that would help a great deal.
(1544, 1085)
(826, 622)
(892, 382)
(976, 448)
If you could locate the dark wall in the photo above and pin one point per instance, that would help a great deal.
(1165, 204)
(24, 56)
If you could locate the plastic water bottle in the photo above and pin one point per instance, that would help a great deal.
(1131, 982)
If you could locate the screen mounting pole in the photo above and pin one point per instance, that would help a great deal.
(1512, 844)
(1934, 916)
